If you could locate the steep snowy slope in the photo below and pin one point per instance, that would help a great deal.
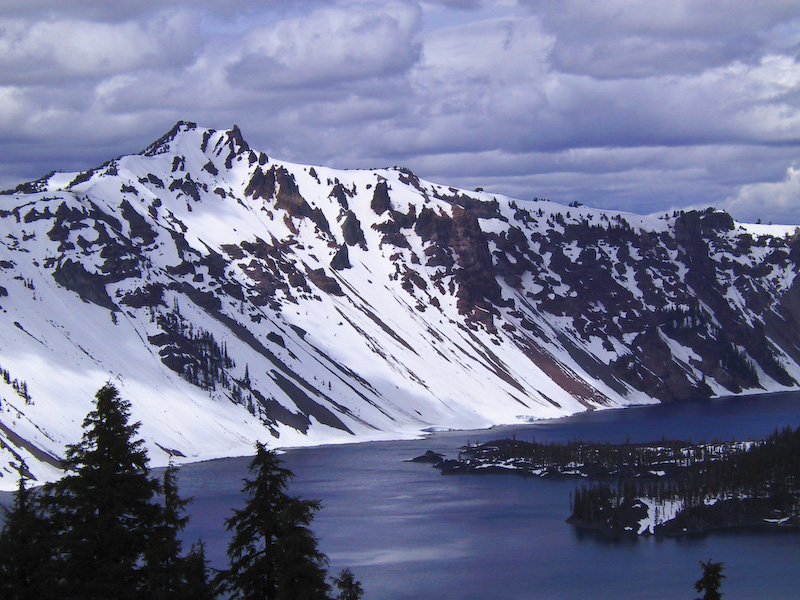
(233, 297)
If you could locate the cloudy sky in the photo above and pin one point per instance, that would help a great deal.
(640, 105)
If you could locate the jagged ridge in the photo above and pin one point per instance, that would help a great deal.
(235, 297)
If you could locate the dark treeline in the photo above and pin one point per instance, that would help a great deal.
(726, 485)
(710, 485)
(108, 529)
(591, 459)
(755, 468)
(192, 352)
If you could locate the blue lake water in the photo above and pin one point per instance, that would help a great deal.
(408, 532)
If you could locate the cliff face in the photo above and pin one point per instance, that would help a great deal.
(234, 297)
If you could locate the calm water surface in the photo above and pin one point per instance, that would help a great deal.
(409, 533)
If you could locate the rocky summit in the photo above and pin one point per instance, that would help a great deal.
(233, 297)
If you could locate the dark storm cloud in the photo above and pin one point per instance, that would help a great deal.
(645, 105)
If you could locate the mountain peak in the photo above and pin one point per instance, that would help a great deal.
(236, 137)
(164, 143)
(236, 297)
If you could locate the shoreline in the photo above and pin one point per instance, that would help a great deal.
(433, 431)
(429, 431)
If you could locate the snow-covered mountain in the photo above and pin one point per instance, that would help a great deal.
(234, 297)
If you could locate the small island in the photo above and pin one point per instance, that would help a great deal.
(667, 487)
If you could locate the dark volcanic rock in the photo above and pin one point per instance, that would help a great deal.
(139, 227)
(340, 193)
(352, 232)
(280, 184)
(324, 282)
(476, 275)
(89, 286)
(460, 236)
(151, 294)
(262, 184)
(341, 260)
(430, 456)
(380, 198)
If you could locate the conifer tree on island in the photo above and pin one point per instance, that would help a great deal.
(273, 553)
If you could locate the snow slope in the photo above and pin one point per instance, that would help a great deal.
(233, 297)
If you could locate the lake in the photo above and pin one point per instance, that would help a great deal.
(408, 532)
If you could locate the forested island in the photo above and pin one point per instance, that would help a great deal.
(668, 487)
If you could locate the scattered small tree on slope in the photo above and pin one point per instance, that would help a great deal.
(273, 553)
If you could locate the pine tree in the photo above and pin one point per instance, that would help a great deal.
(24, 549)
(165, 568)
(711, 580)
(197, 584)
(103, 510)
(349, 587)
(273, 553)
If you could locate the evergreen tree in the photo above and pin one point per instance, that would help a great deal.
(165, 568)
(273, 553)
(349, 587)
(102, 510)
(197, 584)
(24, 550)
(711, 580)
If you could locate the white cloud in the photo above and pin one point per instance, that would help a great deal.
(620, 103)
(329, 46)
(501, 50)
(777, 201)
(492, 86)
(12, 106)
(662, 18)
(126, 10)
(640, 38)
(53, 51)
